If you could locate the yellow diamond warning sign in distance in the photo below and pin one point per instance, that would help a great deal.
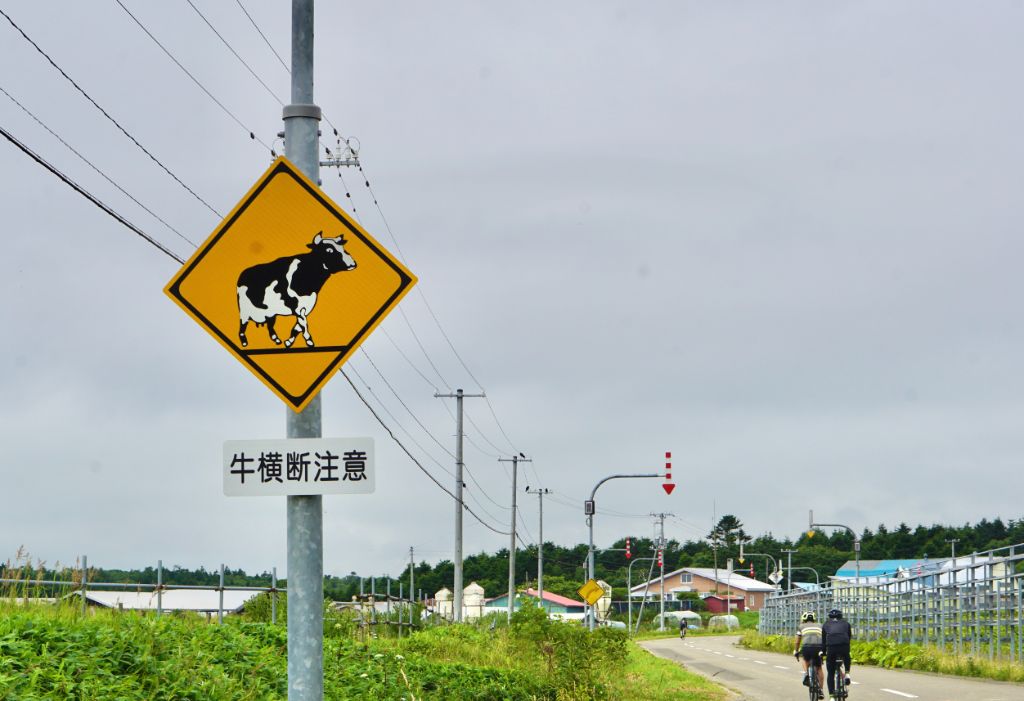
(290, 284)
(591, 592)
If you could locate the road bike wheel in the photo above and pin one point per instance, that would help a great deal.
(840, 682)
(813, 688)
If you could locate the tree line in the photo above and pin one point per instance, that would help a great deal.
(564, 567)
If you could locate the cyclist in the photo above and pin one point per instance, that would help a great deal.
(808, 648)
(836, 634)
(682, 628)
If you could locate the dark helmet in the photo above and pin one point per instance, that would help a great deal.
(835, 613)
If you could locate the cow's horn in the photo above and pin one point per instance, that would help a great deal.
(318, 238)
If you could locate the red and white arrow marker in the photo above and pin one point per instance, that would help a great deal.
(669, 485)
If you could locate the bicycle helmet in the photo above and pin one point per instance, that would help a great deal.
(835, 613)
(807, 617)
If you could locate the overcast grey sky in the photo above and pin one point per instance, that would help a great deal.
(781, 240)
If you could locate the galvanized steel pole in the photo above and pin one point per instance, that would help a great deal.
(305, 513)
(590, 536)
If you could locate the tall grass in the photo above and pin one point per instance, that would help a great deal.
(53, 652)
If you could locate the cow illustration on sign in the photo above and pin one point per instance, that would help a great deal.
(288, 286)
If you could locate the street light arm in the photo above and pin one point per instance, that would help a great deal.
(817, 579)
(612, 477)
(774, 563)
(852, 532)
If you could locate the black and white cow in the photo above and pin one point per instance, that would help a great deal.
(288, 287)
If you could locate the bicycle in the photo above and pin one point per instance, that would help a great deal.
(816, 693)
(840, 680)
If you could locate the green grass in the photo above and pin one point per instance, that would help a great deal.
(53, 652)
(893, 655)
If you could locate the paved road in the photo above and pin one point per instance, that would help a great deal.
(768, 676)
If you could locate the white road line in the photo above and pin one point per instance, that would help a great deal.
(759, 662)
(778, 666)
(900, 693)
(717, 652)
(728, 655)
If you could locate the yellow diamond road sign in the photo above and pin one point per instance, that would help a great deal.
(290, 284)
(591, 592)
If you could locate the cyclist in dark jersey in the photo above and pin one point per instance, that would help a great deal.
(836, 635)
(808, 648)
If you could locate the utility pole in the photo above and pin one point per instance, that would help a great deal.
(540, 546)
(305, 513)
(459, 505)
(789, 566)
(512, 539)
(412, 579)
(661, 560)
(952, 544)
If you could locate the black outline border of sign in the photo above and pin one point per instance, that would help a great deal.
(283, 168)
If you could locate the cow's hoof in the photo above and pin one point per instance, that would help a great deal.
(244, 343)
(288, 343)
(276, 340)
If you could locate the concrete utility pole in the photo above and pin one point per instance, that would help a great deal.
(661, 551)
(540, 545)
(512, 532)
(590, 508)
(789, 567)
(305, 513)
(459, 504)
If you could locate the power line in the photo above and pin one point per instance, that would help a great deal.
(406, 406)
(399, 423)
(87, 195)
(107, 114)
(232, 50)
(252, 134)
(91, 165)
(414, 460)
(264, 36)
(280, 60)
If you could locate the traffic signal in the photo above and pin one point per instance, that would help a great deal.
(629, 553)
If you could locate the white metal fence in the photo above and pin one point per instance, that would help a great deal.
(81, 586)
(973, 605)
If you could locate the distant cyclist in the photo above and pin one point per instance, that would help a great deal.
(682, 627)
(836, 635)
(808, 648)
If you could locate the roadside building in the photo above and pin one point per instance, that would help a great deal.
(705, 581)
(555, 605)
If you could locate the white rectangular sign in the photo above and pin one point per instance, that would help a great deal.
(299, 466)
